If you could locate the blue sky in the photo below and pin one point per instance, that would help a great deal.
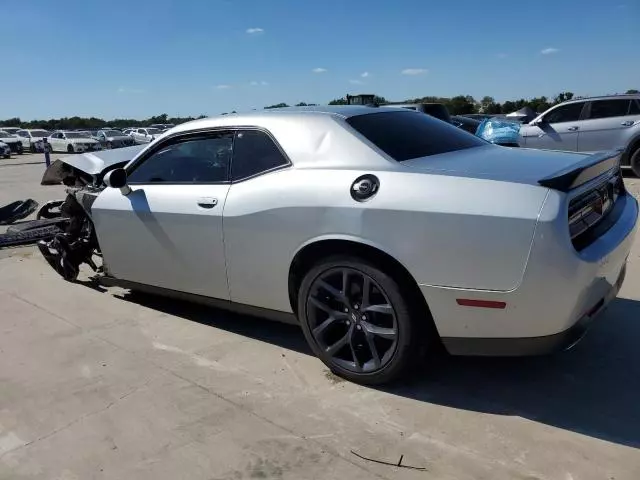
(137, 58)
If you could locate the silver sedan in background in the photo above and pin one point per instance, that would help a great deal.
(381, 232)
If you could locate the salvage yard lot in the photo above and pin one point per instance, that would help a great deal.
(100, 383)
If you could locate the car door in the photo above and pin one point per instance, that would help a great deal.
(56, 140)
(168, 231)
(556, 129)
(249, 217)
(24, 138)
(607, 123)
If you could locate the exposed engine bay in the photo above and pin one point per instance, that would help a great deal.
(77, 242)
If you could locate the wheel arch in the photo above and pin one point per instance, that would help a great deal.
(311, 252)
(633, 145)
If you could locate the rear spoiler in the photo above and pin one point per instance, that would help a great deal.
(583, 171)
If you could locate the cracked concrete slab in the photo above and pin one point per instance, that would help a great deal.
(104, 384)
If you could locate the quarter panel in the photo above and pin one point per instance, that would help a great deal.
(448, 231)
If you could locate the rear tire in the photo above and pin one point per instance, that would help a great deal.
(634, 161)
(344, 326)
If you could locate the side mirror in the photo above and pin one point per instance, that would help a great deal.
(117, 178)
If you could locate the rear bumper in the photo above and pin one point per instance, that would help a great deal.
(516, 347)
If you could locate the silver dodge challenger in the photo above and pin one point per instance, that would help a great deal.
(383, 233)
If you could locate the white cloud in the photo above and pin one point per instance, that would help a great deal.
(364, 74)
(255, 83)
(549, 51)
(263, 83)
(223, 87)
(319, 70)
(356, 82)
(130, 90)
(414, 71)
(255, 31)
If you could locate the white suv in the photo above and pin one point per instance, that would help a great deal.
(589, 125)
(145, 135)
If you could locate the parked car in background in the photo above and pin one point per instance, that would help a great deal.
(32, 138)
(145, 135)
(12, 140)
(11, 130)
(589, 125)
(72, 142)
(247, 212)
(5, 150)
(162, 126)
(114, 139)
(465, 123)
(128, 131)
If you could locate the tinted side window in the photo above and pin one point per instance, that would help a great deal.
(609, 108)
(254, 152)
(565, 113)
(190, 160)
(634, 109)
(407, 135)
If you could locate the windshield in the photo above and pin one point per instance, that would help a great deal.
(153, 131)
(75, 135)
(407, 135)
(5, 134)
(112, 133)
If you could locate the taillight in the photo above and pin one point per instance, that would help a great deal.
(588, 209)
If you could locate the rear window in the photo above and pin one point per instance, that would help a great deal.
(407, 135)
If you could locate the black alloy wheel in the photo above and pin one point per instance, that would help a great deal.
(357, 321)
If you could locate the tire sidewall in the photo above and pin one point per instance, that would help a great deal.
(408, 338)
(634, 161)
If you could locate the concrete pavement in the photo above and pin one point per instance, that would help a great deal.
(100, 383)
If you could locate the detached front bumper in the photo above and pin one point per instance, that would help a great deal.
(562, 292)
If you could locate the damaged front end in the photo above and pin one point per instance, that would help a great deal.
(83, 174)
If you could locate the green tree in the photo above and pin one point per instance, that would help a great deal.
(486, 103)
(277, 105)
(461, 105)
(338, 101)
(302, 104)
(563, 97)
(632, 90)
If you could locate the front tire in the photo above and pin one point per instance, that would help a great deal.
(357, 321)
(634, 161)
(70, 148)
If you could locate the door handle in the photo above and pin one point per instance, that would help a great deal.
(207, 202)
(573, 129)
(628, 123)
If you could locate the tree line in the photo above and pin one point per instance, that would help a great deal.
(458, 105)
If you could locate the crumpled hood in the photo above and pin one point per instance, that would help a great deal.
(520, 165)
(91, 163)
